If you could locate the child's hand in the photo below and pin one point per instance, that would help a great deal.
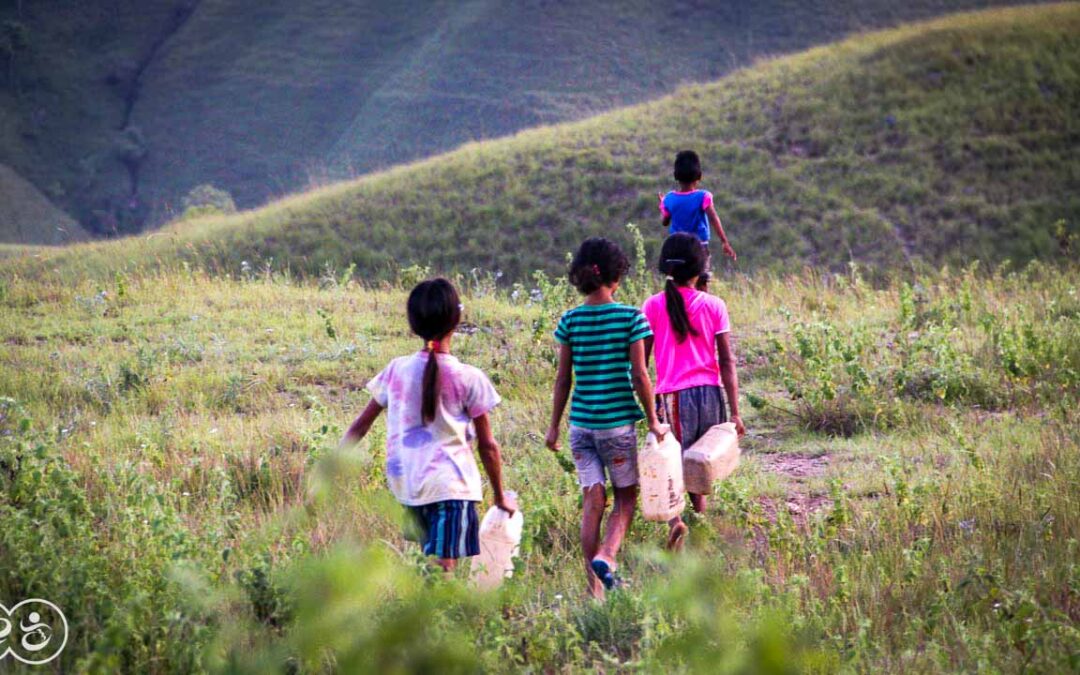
(552, 439)
(659, 430)
(729, 252)
(507, 503)
(740, 428)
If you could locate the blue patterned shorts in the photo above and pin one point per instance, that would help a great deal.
(449, 529)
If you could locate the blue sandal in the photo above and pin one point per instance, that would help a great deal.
(605, 573)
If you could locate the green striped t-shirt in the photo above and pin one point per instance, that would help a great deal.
(599, 338)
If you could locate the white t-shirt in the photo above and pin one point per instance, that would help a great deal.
(433, 462)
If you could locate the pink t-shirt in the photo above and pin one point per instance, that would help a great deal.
(691, 363)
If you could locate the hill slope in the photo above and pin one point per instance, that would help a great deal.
(28, 217)
(944, 142)
(116, 108)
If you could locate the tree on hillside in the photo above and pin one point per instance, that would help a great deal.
(206, 200)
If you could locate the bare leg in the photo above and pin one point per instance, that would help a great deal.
(594, 500)
(677, 530)
(700, 502)
(447, 564)
(618, 523)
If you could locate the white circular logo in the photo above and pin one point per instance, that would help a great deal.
(34, 631)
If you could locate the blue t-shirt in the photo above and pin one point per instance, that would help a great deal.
(687, 211)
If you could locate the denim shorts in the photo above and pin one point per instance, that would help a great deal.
(598, 450)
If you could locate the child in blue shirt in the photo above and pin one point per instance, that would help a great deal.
(691, 210)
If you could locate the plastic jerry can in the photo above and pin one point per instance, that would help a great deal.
(712, 458)
(500, 539)
(660, 475)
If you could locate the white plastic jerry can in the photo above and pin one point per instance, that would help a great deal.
(712, 458)
(500, 539)
(660, 475)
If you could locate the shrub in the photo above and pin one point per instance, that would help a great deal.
(207, 200)
(58, 544)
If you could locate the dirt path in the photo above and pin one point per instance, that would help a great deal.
(796, 470)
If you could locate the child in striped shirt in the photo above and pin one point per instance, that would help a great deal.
(602, 344)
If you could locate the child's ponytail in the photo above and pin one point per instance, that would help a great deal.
(430, 393)
(682, 258)
(434, 312)
(676, 310)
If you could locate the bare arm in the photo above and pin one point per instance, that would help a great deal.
(649, 341)
(563, 380)
(666, 217)
(639, 375)
(729, 377)
(491, 457)
(714, 220)
(361, 425)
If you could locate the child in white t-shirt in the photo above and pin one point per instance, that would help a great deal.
(435, 406)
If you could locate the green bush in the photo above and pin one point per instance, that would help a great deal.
(59, 544)
(206, 200)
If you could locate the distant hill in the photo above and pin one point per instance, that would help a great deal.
(117, 108)
(27, 216)
(940, 142)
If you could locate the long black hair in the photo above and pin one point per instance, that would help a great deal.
(682, 257)
(598, 262)
(434, 312)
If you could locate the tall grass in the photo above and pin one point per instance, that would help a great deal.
(168, 480)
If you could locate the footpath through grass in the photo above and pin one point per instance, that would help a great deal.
(908, 500)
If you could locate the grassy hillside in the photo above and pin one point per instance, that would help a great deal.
(161, 434)
(942, 142)
(64, 98)
(116, 109)
(28, 216)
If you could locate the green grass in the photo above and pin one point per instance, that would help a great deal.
(908, 495)
(174, 491)
(937, 143)
(264, 98)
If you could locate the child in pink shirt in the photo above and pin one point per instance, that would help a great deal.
(694, 357)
